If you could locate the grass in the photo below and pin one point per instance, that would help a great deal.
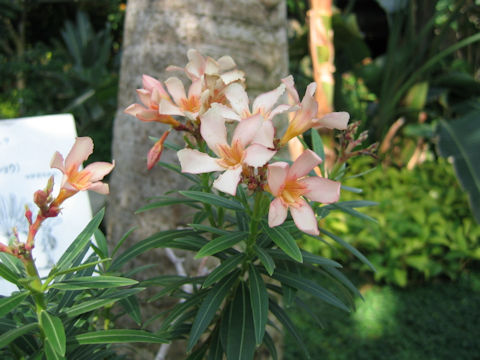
(435, 321)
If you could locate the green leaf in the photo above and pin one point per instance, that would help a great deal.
(101, 242)
(215, 351)
(307, 258)
(265, 259)
(209, 307)
(270, 345)
(79, 244)
(282, 316)
(55, 272)
(87, 306)
(460, 139)
(132, 308)
(10, 302)
(54, 332)
(122, 240)
(8, 274)
(259, 302)
(223, 269)
(93, 282)
(220, 243)
(300, 283)
(9, 336)
(349, 247)
(50, 352)
(166, 201)
(120, 336)
(160, 239)
(240, 332)
(213, 199)
(284, 241)
(353, 212)
(211, 229)
(317, 145)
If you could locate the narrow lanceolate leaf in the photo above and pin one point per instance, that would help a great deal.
(8, 274)
(282, 316)
(259, 302)
(9, 336)
(268, 341)
(284, 241)
(213, 199)
(120, 336)
(51, 353)
(265, 259)
(300, 283)
(215, 350)
(93, 282)
(354, 212)
(349, 247)
(211, 229)
(308, 258)
(54, 332)
(79, 244)
(132, 308)
(166, 201)
(240, 332)
(87, 306)
(223, 269)
(160, 239)
(209, 307)
(10, 302)
(220, 243)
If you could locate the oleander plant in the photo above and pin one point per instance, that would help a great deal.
(249, 207)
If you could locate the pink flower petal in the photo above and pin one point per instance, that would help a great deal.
(176, 89)
(196, 162)
(238, 98)
(195, 88)
(150, 83)
(226, 63)
(99, 187)
(80, 152)
(231, 76)
(276, 176)
(264, 102)
(334, 120)
(247, 129)
(225, 112)
(322, 190)
(277, 212)
(212, 129)
(304, 217)
(228, 181)
(303, 165)
(280, 109)
(166, 107)
(98, 170)
(211, 67)
(144, 96)
(290, 86)
(196, 65)
(265, 134)
(258, 155)
(57, 162)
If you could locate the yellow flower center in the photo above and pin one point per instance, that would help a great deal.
(192, 104)
(231, 156)
(80, 180)
(291, 192)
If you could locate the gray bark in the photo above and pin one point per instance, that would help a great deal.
(157, 34)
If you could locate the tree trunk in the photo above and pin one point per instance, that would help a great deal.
(157, 34)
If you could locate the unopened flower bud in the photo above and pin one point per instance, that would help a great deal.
(28, 214)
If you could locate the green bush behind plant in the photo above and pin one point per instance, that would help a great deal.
(425, 228)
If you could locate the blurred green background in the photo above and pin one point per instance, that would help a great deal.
(409, 71)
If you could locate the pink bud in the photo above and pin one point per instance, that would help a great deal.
(156, 151)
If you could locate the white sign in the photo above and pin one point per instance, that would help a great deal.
(26, 148)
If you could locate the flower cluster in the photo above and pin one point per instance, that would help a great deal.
(74, 180)
(238, 140)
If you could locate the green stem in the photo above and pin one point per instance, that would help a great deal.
(254, 223)
(35, 284)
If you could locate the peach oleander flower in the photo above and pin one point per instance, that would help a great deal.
(289, 185)
(182, 104)
(75, 180)
(150, 96)
(263, 105)
(231, 157)
(305, 117)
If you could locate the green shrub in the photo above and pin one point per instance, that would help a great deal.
(425, 228)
